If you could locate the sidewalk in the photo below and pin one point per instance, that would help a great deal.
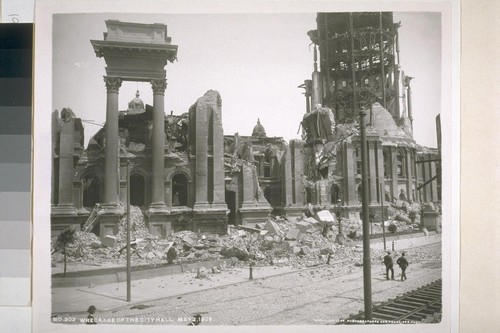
(113, 295)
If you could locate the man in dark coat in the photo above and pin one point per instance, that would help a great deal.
(403, 263)
(389, 265)
(91, 318)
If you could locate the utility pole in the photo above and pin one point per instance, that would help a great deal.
(128, 233)
(367, 284)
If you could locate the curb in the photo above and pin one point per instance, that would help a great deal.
(397, 237)
(121, 276)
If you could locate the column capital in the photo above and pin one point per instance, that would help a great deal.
(159, 86)
(113, 84)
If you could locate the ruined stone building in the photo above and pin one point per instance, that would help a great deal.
(358, 56)
(186, 175)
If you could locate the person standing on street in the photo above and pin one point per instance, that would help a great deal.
(403, 263)
(91, 317)
(389, 265)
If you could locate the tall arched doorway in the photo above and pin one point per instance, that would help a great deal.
(334, 194)
(91, 190)
(180, 190)
(231, 205)
(309, 196)
(137, 190)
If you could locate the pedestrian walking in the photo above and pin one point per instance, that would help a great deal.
(90, 318)
(403, 264)
(388, 262)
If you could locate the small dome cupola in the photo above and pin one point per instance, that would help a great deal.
(258, 130)
(136, 105)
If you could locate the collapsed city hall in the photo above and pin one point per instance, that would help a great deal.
(185, 174)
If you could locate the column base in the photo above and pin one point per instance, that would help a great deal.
(159, 224)
(295, 211)
(219, 206)
(252, 214)
(112, 208)
(210, 220)
(256, 204)
(110, 215)
(157, 208)
(431, 218)
(68, 209)
(108, 224)
(59, 223)
(201, 206)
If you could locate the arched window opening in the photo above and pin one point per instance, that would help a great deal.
(231, 205)
(179, 190)
(334, 194)
(137, 190)
(309, 195)
(402, 195)
(91, 190)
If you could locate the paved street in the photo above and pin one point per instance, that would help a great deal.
(318, 295)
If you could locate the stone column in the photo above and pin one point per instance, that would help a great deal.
(201, 153)
(111, 177)
(428, 175)
(396, 91)
(433, 184)
(394, 172)
(380, 166)
(316, 83)
(168, 194)
(158, 145)
(409, 174)
(352, 194)
(260, 163)
(373, 173)
(123, 190)
(287, 179)
(298, 161)
(66, 168)
(219, 193)
(248, 186)
(78, 194)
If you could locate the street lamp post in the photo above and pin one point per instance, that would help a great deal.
(367, 286)
(128, 234)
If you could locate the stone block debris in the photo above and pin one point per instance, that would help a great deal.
(109, 241)
(292, 234)
(297, 242)
(303, 226)
(272, 228)
(325, 216)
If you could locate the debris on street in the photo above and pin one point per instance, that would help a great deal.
(307, 240)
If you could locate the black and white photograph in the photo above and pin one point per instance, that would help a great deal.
(221, 167)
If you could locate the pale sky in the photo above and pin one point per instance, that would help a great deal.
(255, 61)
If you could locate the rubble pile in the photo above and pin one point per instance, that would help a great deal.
(405, 211)
(309, 240)
(138, 228)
